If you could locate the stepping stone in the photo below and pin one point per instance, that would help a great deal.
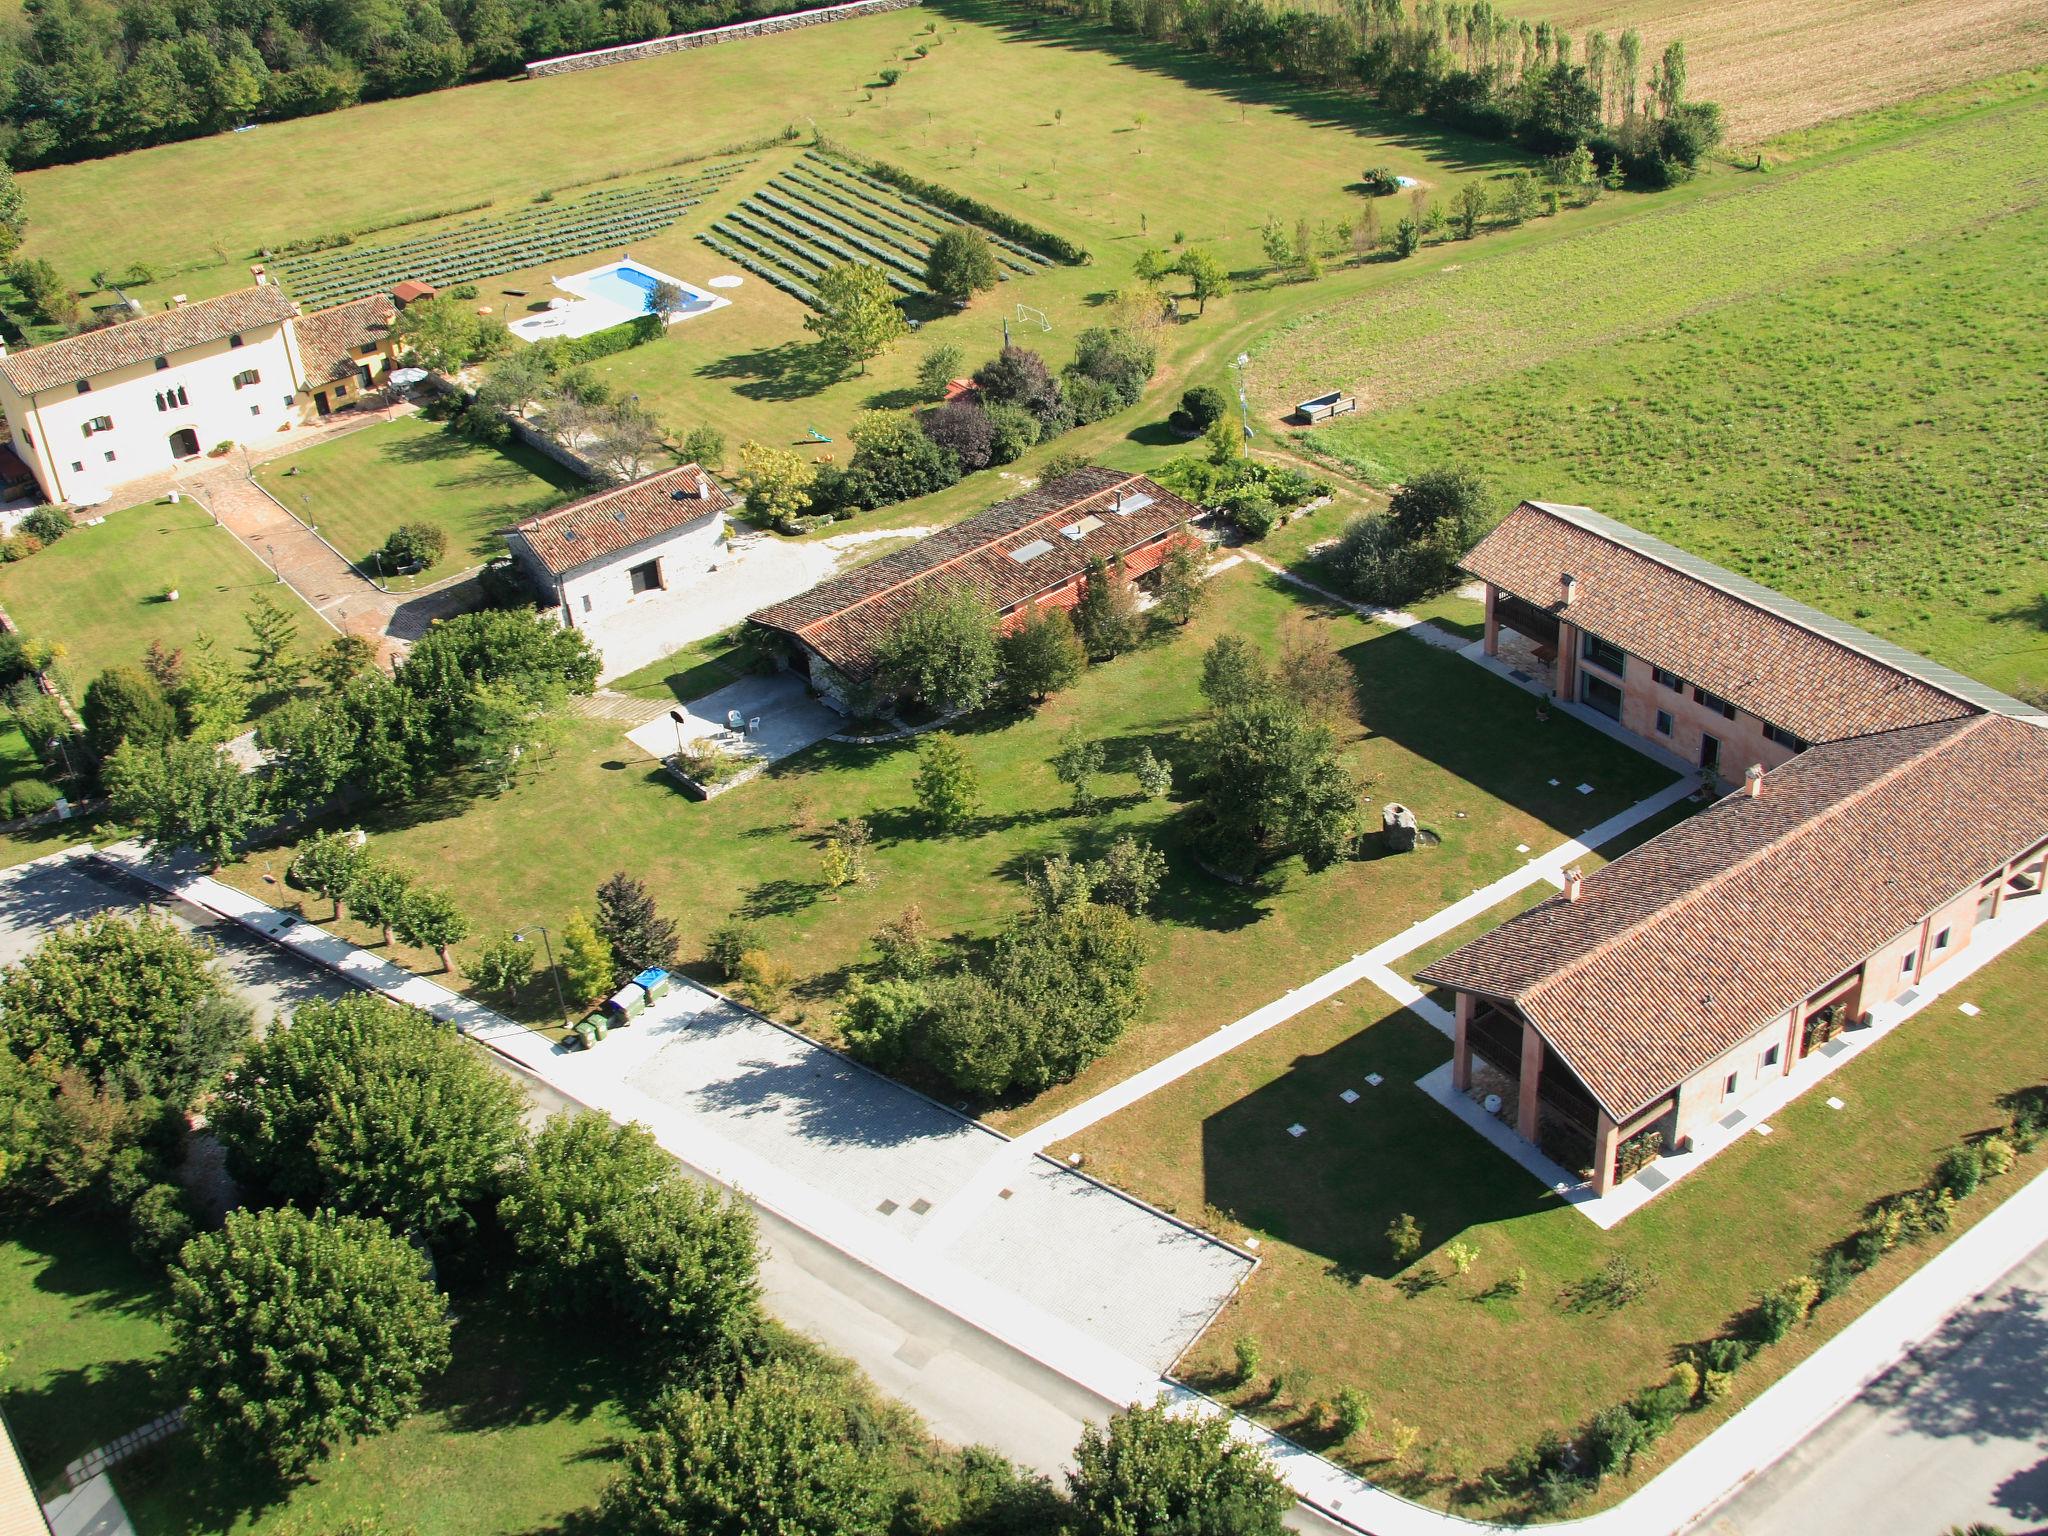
(1969, 1010)
(1651, 1179)
(1374, 1079)
(1553, 783)
(1762, 1129)
(1349, 1095)
(1251, 1242)
(1585, 789)
(1297, 1130)
(1836, 1104)
(887, 1207)
(1521, 847)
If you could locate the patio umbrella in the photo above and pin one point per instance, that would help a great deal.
(405, 378)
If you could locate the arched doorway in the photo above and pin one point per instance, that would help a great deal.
(185, 443)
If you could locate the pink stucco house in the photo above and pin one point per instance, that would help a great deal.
(1886, 806)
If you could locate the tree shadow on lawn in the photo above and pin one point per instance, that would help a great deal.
(1484, 730)
(1349, 110)
(1333, 1190)
(789, 370)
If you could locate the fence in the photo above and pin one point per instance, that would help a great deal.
(682, 42)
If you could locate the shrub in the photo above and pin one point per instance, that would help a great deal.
(158, 1223)
(1404, 1238)
(47, 524)
(1996, 1155)
(1252, 511)
(728, 945)
(1777, 1312)
(1961, 1171)
(1012, 430)
(2029, 1110)
(1832, 1275)
(1353, 1412)
(1200, 409)
(890, 76)
(1613, 1439)
(1246, 1356)
(414, 545)
(1378, 181)
(705, 445)
(964, 429)
(767, 980)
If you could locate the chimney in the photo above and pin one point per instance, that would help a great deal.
(703, 486)
(1753, 780)
(1570, 583)
(262, 277)
(1574, 884)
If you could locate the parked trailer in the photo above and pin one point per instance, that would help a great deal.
(1323, 407)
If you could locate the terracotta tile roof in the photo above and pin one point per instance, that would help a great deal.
(1679, 951)
(329, 338)
(1793, 666)
(845, 618)
(146, 337)
(615, 521)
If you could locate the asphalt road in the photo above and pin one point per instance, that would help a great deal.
(1956, 1432)
(969, 1388)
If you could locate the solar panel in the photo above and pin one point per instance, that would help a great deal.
(1126, 505)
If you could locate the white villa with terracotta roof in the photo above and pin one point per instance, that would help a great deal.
(1029, 552)
(616, 558)
(1887, 807)
(128, 400)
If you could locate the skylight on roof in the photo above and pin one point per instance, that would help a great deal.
(1126, 505)
(1079, 531)
(1026, 553)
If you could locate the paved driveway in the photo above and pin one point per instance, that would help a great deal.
(789, 720)
(1957, 1432)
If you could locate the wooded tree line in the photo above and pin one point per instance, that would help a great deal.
(1468, 66)
(85, 78)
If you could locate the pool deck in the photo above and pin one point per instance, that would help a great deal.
(587, 310)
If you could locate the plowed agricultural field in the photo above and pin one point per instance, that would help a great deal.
(1776, 65)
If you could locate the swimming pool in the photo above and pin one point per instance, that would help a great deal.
(607, 296)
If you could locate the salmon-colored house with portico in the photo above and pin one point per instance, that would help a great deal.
(1886, 807)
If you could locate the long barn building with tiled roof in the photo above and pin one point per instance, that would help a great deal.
(1888, 808)
(1032, 551)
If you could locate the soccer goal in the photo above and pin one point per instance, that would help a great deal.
(1026, 315)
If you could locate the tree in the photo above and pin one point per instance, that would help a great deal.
(1453, 493)
(1120, 362)
(369, 1107)
(1233, 671)
(1154, 774)
(135, 1005)
(1018, 376)
(125, 704)
(295, 1335)
(586, 963)
(1207, 278)
(1041, 655)
(1181, 584)
(963, 429)
(780, 1456)
(893, 460)
(487, 684)
(1273, 240)
(943, 650)
(704, 445)
(937, 369)
(379, 894)
(184, 794)
(627, 441)
(212, 699)
(1671, 75)
(856, 317)
(603, 1219)
(446, 334)
(1268, 781)
(13, 214)
(429, 919)
(948, 789)
(337, 663)
(502, 965)
(1314, 675)
(777, 482)
(1075, 765)
(273, 642)
(960, 265)
(1154, 1470)
(1307, 259)
(1107, 618)
(328, 864)
(640, 938)
(1128, 876)
(313, 748)
(1471, 209)
(666, 300)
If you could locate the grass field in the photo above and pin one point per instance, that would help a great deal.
(356, 489)
(1429, 732)
(1479, 1376)
(99, 591)
(1815, 376)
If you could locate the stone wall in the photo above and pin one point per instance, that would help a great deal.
(597, 58)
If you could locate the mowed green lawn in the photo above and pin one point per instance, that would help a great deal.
(522, 1431)
(1478, 1375)
(358, 488)
(1431, 736)
(100, 591)
(1823, 377)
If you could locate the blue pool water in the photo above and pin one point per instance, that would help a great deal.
(626, 287)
